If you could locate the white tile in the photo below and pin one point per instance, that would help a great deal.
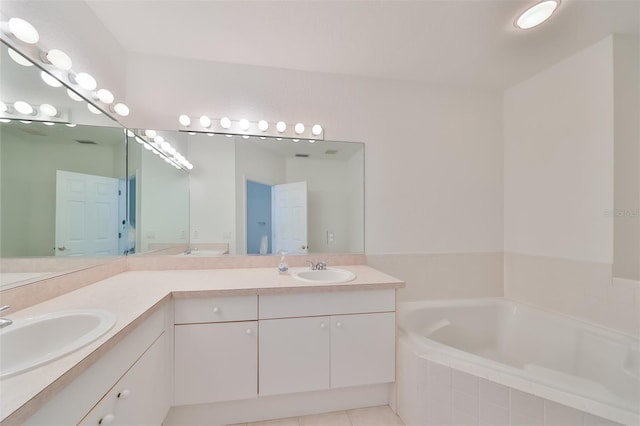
(521, 420)
(560, 415)
(439, 375)
(463, 419)
(374, 416)
(464, 382)
(338, 418)
(591, 420)
(289, 421)
(527, 405)
(438, 407)
(622, 291)
(465, 403)
(492, 414)
(494, 393)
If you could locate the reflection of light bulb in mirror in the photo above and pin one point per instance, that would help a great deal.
(263, 125)
(5, 120)
(71, 124)
(23, 108)
(159, 140)
(48, 110)
(184, 120)
(245, 136)
(150, 133)
(129, 133)
(225, 123)
(171, 150)
(147, 146)
(121, 109)
(139, 140)
(18, 58)
(50, 80)
(229, 136)
(26, 121)
(23, 31)
(48, 123)
(281, 126)
(205, 121)
(165, 146)
(59, 59)
(312, 141)
(316, 129)
(299, 128)
(93, 109)
(105, 96)
(244, 124)
(296, 140)
(73, 95)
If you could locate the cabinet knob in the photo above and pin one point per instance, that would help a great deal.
(338, 324)
(249, 331)
(216, 309)
(107, 420)
(124, 394)
(322, 325)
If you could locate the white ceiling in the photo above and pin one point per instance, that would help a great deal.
(446, 42)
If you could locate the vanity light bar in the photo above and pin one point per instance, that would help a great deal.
(22, 37)
(20, 110)
(246, 128)
(157, 145)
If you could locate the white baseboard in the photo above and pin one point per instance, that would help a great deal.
(279, 406)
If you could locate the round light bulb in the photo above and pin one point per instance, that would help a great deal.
(18, 58)
(121, 109)
(151, 133)
(184, 120)
(536, 14)
(50, 80)
(85, 80)
(59, 59)
(23, 108)
(281, 126)
(48, 110)
(73, 95)
(225, 123)
(263, 125)
(93, 109)
(23, 31)
(205, 121)
(316, 129)
(299, 128)
(244, 124)
(105, 96)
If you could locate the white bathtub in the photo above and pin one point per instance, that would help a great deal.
(577, 364)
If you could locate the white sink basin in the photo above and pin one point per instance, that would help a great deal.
(32, 342)
(329, 276)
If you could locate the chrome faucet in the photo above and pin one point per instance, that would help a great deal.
(5, 321)
(319, 266)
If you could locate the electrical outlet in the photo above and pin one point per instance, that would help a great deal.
(331, 238)
(195, 235)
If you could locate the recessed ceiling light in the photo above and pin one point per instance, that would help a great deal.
(536, 14)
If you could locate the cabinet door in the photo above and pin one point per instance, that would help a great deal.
(141, 396)
(215, 362)
(294, 355)
(363, 349)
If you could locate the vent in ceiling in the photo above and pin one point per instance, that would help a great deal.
(86, 142)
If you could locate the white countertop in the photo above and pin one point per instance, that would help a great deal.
(132, 296)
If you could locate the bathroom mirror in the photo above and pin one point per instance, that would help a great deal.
(44, 167)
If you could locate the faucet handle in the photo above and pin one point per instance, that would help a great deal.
(312, 265)
(5, 308)
(322, 265)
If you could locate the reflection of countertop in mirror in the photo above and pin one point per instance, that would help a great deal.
(7, 279)
(133, 296)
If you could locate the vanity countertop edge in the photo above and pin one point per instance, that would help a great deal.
(133, 296)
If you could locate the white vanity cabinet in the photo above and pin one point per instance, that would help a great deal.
(335, 340)
(216, 349)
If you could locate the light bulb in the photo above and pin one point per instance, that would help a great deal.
(50, 80)
(73, 95)
(536, 14)
(93, 109)
(121, 109)
(189, 166)
(316, 129)
(59, 59)
(225, 123)
(151, 133)
(263, 125)
(159, 140)
(281, 126)
(23, 108)
(184, 120)
(84, 80)
(23, 31)
(105, 96)
(205, 121)
(171, 150)
(244, 124)
(299, 128)
(71, 124)
(18, 58)
(139, 140)
(48, 110)
(147, 146)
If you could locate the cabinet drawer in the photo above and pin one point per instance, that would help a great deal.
(216, 309)
(330, 303)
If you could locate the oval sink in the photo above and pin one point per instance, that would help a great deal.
(32, 342)
(330, 276)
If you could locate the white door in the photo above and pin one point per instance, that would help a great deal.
(86, 215)
(290, 217)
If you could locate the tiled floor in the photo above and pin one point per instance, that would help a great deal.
(373, 416)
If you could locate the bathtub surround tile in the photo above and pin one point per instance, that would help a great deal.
(560, 415)
(494, 393)
(491, 414)
(465, 382)
(465, 403)
(591, 420)
(527, 405)
(522, 420)
(464, 419)
(338, 418)
(444, 275)
(374, 416)
(439, 376)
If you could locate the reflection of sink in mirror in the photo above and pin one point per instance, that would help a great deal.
(32, 342)
(204, 253)
(331, 276)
